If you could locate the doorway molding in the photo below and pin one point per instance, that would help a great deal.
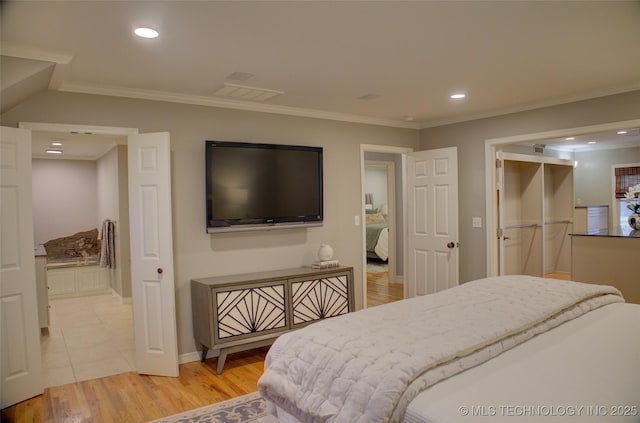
(82, 129)
(374, 148)
(491, 180)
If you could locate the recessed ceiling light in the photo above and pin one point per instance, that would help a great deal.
(146, 32)
(621, 132)
(56, 144)
(54, 150)
(570, 138)
(457, 95)
(591, 142)
(409, 118)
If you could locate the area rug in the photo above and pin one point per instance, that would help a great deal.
(377, 267)
(249, 408)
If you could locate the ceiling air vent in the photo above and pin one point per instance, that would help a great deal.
(539, 148)
(240, 76)
(242, 92)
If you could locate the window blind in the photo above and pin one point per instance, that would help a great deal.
(626, 177)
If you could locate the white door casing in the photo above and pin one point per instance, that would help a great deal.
(152, 274)
(431, 221)
(19, 329)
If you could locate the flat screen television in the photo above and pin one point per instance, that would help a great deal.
(252, 186)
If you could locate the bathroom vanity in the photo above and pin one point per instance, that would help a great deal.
(42, 288)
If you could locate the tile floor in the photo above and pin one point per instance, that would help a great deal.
(88, 338)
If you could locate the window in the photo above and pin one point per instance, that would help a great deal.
(625, 177)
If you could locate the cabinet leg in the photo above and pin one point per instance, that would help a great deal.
(221, 359)
(203, 356)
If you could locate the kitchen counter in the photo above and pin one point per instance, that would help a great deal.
(608, 257)
(618, 231)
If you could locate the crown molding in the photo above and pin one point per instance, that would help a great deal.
(117, 91)
(533, 105)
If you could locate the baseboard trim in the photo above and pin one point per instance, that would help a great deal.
(195, 356)
(123, 300)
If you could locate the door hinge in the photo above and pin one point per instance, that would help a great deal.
(498, 163)
(499, 232)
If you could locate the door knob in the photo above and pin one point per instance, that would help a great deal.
(451, 245)
(160, 270)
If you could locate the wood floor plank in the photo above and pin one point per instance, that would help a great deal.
(133, 398)
(381, 291)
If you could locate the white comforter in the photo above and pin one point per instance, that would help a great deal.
(367, 366)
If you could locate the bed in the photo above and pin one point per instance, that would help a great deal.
(377, 234)
(513, 348)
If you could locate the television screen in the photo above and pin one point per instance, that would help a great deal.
(262, 186)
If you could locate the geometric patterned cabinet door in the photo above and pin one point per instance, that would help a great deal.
(240, 312)
(319, 298)
(250, 310)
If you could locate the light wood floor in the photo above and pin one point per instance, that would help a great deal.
(381, 291)
(130, 397)
(133, 398)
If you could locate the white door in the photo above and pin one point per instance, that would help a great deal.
(152, 254)
(432, 221)
(19, 329)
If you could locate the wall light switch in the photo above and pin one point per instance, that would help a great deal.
(476, 222)
(356, 220)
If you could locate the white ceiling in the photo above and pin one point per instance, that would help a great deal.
(74, 146)
(321, 57)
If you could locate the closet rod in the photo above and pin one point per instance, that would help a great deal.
(526, 225)
(552, 222)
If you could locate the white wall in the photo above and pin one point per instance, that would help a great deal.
(198, 254)
(64, 198)
(109, 184)
(375, 178)
(593, 177)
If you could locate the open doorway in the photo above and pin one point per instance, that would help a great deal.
(88, 331)
(382, 223)
(149, 176)
(381, 228)
(594, 152)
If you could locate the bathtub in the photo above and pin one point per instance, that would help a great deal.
(77, 278)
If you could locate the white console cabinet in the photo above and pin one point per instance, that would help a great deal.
(239, 312)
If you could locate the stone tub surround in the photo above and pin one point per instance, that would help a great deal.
(80, 248)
